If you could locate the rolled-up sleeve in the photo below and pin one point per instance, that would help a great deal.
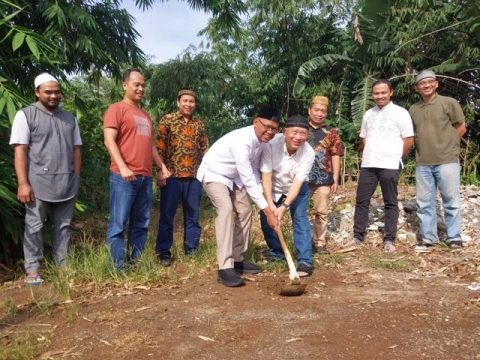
(247, 175)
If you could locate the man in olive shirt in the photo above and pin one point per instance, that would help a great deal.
(439, 124)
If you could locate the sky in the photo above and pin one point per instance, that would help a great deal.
(167, 28)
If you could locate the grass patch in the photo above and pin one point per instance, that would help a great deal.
(335, 260)
(70, 314)
(399, 264)
(43, 302)
(9, 307)
(22, 347)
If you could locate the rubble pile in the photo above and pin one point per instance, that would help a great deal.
(340, 225)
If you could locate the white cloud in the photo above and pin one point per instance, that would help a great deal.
(167, 28)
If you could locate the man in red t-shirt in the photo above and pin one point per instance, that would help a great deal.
(128, 136)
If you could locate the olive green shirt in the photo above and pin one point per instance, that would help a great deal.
(436, 139)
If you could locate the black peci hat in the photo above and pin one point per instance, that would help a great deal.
(297, 121)
(269, 112)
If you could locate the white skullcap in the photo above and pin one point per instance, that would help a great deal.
(43, 78)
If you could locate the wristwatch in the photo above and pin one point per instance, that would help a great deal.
(286, 206)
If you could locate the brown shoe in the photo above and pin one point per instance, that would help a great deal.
(321, 249)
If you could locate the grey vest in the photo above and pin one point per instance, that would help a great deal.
(50, 155)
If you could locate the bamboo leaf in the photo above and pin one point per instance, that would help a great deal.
(3, 101)
(32, 45)
(11, 109)
(18, 40)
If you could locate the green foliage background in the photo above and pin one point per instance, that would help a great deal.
(258, 51)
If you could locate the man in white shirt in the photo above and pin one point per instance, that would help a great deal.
(286, 163)
(230, 173)
(387, 133)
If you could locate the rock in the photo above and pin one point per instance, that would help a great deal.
(340, 223)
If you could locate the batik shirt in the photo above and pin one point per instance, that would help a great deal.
(181, 144)
(326, 142)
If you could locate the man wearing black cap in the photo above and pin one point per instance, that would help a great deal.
(230, 173)
(439, 124)
(286, 163)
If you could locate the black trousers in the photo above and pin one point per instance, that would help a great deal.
(367, 183)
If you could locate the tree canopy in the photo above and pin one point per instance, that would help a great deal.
(258, 51)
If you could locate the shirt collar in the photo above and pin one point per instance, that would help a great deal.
(316, 127)
(256, 142)
(285, 151)
(434, 99)
(390, 104)
(40, 106)
(179, 116)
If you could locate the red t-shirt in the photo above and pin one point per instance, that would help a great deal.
(134, 139)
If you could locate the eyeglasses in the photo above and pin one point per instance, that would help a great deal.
(267, 128)
(427, 82)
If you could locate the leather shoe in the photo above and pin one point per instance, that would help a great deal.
(165, 261)
(229, 277)
(244, 267)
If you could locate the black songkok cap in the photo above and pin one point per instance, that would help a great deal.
(269, 112)
(297, 121)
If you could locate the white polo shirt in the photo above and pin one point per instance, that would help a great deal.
(235, 159)
(383, 130)
(285, 167)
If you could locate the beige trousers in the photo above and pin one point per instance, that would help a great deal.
(320, 196)
(233, 222)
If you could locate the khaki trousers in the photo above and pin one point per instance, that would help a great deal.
(320, 199)
(233, 222)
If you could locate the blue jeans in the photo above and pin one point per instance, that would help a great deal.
(189, 192)
(130, 201)
(447, 178)
(302, 237)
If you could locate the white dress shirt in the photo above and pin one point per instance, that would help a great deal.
(383, 130)
(285, 167)
(235, 159)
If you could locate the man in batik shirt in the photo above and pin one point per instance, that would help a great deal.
(182, 141)
(324, 176)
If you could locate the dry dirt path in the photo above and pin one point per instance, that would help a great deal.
(351, 310)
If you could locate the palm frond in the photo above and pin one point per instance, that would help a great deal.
(310, 66)
(363, 99)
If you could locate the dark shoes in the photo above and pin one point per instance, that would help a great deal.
(229, 277)
(165, 261)
(304, 270)
(243, 267)
(455, 244)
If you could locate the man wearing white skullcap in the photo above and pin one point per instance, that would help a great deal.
(46, 141)
(43, 78)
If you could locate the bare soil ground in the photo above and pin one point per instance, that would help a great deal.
(358, 305)
(350, 311)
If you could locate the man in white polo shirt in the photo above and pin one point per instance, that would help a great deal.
(387, 133)
(230, 173)
(286, 163)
